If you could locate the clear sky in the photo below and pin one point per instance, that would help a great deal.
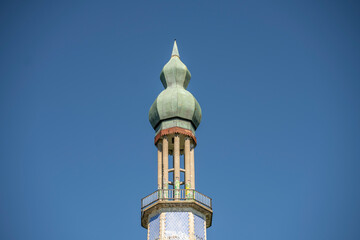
(279, 143)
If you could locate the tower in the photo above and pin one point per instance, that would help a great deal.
(176, 210)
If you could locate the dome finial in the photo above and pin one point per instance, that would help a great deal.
(175, 106)
(175, 51)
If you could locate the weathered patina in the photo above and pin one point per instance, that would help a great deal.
(175, 106)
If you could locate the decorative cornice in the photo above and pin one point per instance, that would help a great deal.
(178, 205)
(174, 130)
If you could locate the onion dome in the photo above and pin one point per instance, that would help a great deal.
(175, 106)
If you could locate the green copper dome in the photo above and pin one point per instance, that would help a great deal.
(175, 106)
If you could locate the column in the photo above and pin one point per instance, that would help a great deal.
(165, 161)
(188, 192)
(176, 166)
(191, 226)
(192, 166)
(159, 166)
(162, 226)
(187, 163)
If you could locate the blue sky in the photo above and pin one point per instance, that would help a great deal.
(279, 143)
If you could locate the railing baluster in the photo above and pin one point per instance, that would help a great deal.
(176, 194)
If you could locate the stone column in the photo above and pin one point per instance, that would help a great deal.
(162, 226)
(176, 165)
(160, 166)
(187, 163)
(165, 162)
(177, 161)
(191, 226)
(192, 166)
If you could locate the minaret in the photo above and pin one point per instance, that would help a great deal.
(176, 210)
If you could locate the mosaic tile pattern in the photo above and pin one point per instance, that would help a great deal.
(199, 227)
(177, 225)
(154, 227)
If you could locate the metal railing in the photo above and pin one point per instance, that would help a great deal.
(176, 195)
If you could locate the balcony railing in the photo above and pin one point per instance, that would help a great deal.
(176, 195)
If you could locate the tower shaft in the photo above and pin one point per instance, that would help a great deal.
(176, 210)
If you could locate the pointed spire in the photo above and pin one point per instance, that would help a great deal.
(175, 51)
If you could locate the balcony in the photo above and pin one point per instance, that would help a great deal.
(168, 195)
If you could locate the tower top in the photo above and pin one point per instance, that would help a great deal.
(175, 51)
(175, 106)
(176, 210)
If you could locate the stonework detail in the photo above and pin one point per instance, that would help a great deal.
(154, 228)
(170, 225)
(200, 227)
(177, 225)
